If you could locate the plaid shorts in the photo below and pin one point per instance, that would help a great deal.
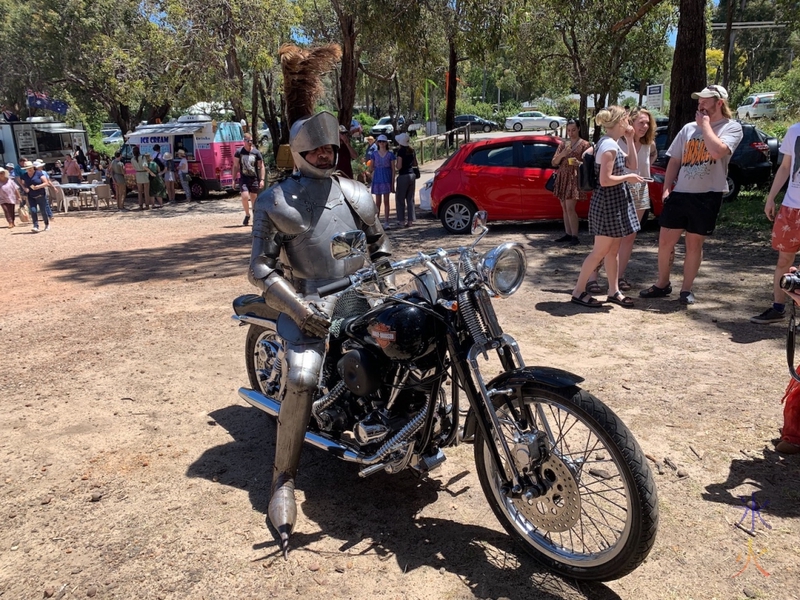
(786, 230)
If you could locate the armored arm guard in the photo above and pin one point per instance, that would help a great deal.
(266, 276)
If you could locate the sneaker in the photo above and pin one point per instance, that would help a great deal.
(246, 221)
(34, 229)
(575, 241)
(563, 238)
(47, 228)
(686, 297)
(768, 316)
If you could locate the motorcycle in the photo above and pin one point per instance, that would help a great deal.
(562, 473)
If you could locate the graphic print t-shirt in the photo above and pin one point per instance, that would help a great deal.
(699, 173)
(248, 161)
(790, 148)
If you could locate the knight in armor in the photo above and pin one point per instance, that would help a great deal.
(293, 224)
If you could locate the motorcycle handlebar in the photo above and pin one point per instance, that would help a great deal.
(336, 286)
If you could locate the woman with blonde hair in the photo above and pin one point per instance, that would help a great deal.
(612, 215)
(644, 135)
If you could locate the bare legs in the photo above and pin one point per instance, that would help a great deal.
(143, 192)
(570, 217)
(785, 260)
(383, 199)
(605, 249)
(626, 247)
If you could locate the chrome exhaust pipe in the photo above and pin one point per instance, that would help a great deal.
(272, 407)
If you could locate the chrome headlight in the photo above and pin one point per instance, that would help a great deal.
(503, 268)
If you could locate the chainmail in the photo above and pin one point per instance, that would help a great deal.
(349, 304)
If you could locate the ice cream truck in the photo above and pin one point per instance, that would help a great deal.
(39, 137)
(209, 148)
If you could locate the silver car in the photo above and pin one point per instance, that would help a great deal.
(533, 119)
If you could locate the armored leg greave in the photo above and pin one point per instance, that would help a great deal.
(304, 365)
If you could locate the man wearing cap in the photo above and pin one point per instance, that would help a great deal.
(38, 164)
(34, 183)
(698, 159)
(248, 172)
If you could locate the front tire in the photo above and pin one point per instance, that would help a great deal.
(599, 519)
(264, 359)
(487, 129)
(198, 189)
(517, 127)
(456, 215)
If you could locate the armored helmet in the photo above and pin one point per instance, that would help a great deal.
(321, 129)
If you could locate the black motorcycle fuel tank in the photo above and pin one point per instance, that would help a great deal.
(399, 328)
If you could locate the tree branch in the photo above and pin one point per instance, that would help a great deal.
(628, 22)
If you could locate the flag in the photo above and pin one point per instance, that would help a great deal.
(41, 100)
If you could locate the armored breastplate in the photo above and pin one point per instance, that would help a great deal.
(309, 212)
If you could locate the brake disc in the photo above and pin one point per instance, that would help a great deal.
(559, 509)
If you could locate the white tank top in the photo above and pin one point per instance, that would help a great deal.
(643, 156)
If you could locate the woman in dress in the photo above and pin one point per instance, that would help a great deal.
(644, 135)
(404, 191)
(382, 170)
(612, 215)
(567, 158)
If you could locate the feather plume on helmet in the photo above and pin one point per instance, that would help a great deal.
(302, 86)
(302, 71)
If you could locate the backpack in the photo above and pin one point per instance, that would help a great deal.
(587, 178)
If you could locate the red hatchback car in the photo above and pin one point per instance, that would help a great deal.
(506, 178)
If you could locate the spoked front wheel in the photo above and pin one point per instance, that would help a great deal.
(599, 518)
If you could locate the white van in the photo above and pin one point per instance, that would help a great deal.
(757, 105)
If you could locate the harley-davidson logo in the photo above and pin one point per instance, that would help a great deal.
(382, 335)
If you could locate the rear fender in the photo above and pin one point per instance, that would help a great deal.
(518, 378)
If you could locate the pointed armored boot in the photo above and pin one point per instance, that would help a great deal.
(292, 424)
(283, 509)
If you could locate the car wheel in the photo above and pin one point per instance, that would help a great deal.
(517, 127)
(747, 116)
(487, 128)
(456, 215)
(733, 190)
(554, 125)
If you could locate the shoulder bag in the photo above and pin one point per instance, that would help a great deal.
(550, 186)
(587, 180)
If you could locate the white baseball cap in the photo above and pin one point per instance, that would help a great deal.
(712, 91)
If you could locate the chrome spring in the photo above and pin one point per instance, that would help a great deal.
(326, 401)
(402, 435)
(465, 305)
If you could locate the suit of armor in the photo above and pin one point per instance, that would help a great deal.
(293, 224)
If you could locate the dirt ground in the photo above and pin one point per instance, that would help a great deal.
(131, 469)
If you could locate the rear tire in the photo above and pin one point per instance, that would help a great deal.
(603, 494)
(198, 189)
(734, 187)
(456, 215)
(487, 129)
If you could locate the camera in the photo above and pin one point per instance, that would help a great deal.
(790, 282)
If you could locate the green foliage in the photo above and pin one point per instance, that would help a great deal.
(789, 90)
(567, 107)
(746, 213)
(365, 120)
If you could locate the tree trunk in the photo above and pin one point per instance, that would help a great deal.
(727, 47)
(583, 114)
(688, 64)
(349, 72)
(254, 103)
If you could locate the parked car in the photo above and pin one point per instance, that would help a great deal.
(753, 162)
(533, 119)
(757, 105)
(114, 138)
(505, 177)
(476, 123)
(385, 127)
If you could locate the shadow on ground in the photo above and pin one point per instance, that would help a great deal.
(380, 515)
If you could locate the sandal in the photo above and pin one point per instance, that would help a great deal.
(593, 287)
(586, 300)
(623, 284)
(623, 301)
(656, 292)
